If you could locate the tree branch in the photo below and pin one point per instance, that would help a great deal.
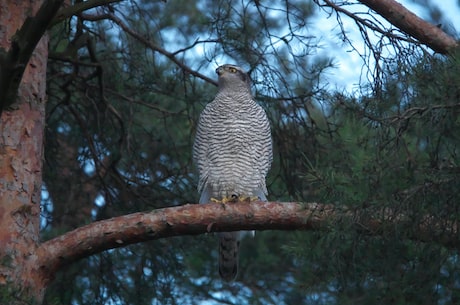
(152, 46)
(366, 22)
(14, 61)
(405, 20)
(192, 219)
(78, 8)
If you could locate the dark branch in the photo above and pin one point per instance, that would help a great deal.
(14, 61)
(151, 46)
(78, 8)
(367, 23)
(408, 22)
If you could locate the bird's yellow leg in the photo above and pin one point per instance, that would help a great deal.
(235, 198)
(230, 199)
(248, 198)
(227, 199)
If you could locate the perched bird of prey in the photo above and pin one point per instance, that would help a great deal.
(233, 153)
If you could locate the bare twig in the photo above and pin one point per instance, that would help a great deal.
(78, 8)
(150, 45)
(427, 33)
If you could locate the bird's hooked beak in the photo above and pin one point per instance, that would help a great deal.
(220, 70)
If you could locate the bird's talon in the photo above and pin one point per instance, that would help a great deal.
(209, 227)
(249, 199)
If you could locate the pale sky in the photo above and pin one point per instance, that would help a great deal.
(346, 76)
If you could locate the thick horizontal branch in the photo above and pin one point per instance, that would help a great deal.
(192, 219)
(427, 33)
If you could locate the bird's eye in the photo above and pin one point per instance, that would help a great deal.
(232, 70)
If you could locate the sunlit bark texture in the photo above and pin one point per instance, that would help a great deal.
(413, 25)
(21, 146)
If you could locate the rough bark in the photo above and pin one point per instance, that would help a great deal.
(193, 219)
(408, 22)
(21, 146)
(23, 34)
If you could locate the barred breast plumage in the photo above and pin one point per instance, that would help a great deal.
(233, 152)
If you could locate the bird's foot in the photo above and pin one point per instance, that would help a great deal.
(224, 200)
(248, 199)
(235, 198)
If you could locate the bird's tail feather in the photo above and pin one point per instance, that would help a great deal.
(228, 255)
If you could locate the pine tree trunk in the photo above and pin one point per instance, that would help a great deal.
(21, 147)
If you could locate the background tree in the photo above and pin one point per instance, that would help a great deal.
(126, 82)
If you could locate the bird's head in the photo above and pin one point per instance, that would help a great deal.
(233, 77)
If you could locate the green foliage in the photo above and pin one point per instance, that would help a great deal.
(398, 151)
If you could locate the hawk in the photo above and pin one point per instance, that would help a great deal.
(233, 153)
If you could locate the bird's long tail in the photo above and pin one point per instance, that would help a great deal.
(228, 255)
